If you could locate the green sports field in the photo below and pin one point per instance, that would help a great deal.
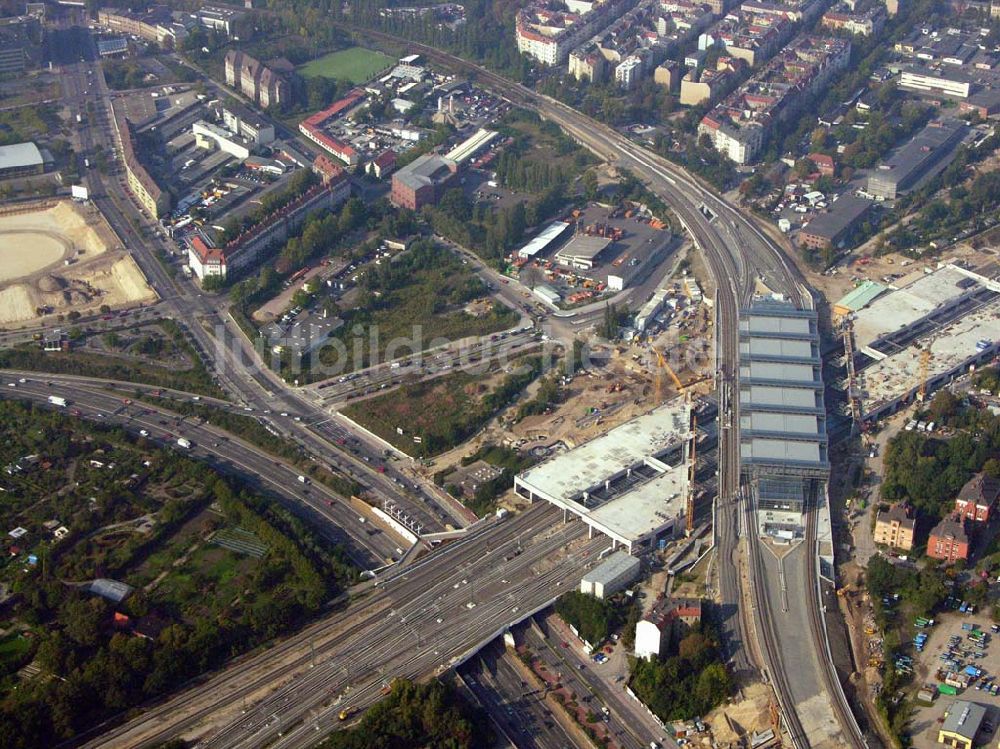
(355, 64)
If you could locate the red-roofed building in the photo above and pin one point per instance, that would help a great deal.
(949, 541)
(383, 165)
(312, 127)
(824, 164)
(978, 497)
(669, 618)
(205, 261)
(326, 168)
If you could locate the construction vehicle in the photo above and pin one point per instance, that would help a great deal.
(344, 714)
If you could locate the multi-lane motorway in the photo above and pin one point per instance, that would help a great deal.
(416, 621)
(330, 514)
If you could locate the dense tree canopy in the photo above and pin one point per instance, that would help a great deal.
(431, 716)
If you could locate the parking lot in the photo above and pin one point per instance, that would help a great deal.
(949, 649)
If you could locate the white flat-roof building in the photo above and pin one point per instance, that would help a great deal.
(581, 251)
(211, 136)
(611, 575)
(630, 484)
(550, 234)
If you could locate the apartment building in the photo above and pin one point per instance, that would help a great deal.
(256, 81)
(867, 23)
(739, 125)
(895, 527)
(948, 541)
(978, 498)
(156, 24)
(587, 64)
(153, 198)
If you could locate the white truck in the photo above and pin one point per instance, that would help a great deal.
(303, 479)
(57, 400)
(184, 442)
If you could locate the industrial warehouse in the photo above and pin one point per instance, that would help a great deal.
(935, 325)
(630, 484)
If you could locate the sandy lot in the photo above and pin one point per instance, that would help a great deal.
(58, 257)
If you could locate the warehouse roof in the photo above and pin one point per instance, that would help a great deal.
(769, 421)
(20, 155)
(860, 296)
(551, 233)
(779, 396)
(843, 215)
(783, 372)
(930, 144)
(787, 348)
(767, 450)
(964, 718)
(611, 568)
(429, 169)
(583, 247)
(756, 322)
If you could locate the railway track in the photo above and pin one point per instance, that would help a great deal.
(845, 717)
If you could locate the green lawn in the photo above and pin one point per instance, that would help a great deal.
(13, 646)
(355, 64)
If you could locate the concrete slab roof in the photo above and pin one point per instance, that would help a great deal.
(565, 476)
(908, 304)
(644, 510)
(898, 374)
(651, 492)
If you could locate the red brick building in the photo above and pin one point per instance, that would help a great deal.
(949, 541)
(422, 182)
(978, 498)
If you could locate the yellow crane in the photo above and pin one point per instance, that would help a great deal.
(661, 365)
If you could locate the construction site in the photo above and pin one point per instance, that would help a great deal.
(905, 341)
(61, 256)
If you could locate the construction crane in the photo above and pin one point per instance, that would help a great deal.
(661, 366)
(925, 365)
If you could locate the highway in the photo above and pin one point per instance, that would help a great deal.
(415, 621)
(520, 712)
(334, 519)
